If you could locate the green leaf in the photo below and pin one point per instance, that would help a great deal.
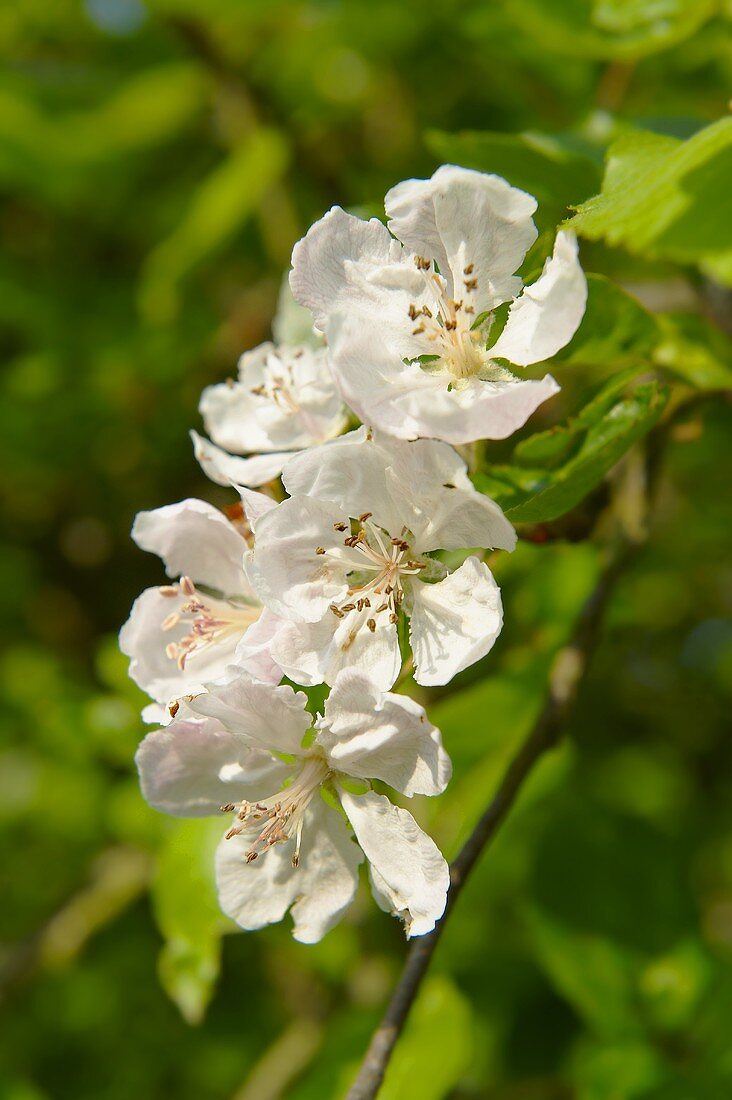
(594, 974)
(696, 351)
(540, 495)
(188, 915)
(615, 329)
(667, 199)
(435, 1049)
(620, 29)
(558, 176)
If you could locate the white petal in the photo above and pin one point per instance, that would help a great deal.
(422, 486)
(413, 877)
(324, 275)
(548, 313)
(288, 574)
(194, 539)
(255, 505)
(254, 649)
(466, 219)
(407, 401)
(265, 716)
(321, 887)
(193, 767)
(230, 409)
(314, 653)
(350, 472)
(144, 641)
(455, 622)
(375, 735)
(155, 715)
(226, 469)
(429, 485)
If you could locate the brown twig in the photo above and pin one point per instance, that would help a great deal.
(566, 675)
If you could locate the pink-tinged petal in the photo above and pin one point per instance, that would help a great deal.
(254, 650)
(193, 767)
(144, 640)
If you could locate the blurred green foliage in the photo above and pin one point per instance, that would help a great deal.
(157, 162)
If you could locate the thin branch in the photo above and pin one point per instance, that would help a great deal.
(567, 672)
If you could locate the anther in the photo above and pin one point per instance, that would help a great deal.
(187, 586)
(371, 624)
(173, 709)
(421, 263)
(393, 618)
(471, 284)
(341, 526)
(364, 516)
(168, 590)
(319, 549)
(469, 269)
(227, 808)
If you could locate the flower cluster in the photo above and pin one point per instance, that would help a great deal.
(371, 566)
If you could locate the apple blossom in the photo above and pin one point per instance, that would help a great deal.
(252, 750)
(181, 634)
(284, 399)
(353, 547)
(409, 324)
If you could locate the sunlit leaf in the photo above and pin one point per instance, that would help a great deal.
(188, 915)
(664, 198)
(539, 495)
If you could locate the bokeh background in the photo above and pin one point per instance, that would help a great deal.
(157, 162)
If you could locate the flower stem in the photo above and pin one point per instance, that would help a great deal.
(566, 675)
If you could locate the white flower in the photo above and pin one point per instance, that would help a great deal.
(181, 635)
(409, 325)
(351, 548)
(287, 848)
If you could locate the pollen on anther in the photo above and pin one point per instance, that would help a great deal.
(340, 526)
(173, 709)
(319, 549)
